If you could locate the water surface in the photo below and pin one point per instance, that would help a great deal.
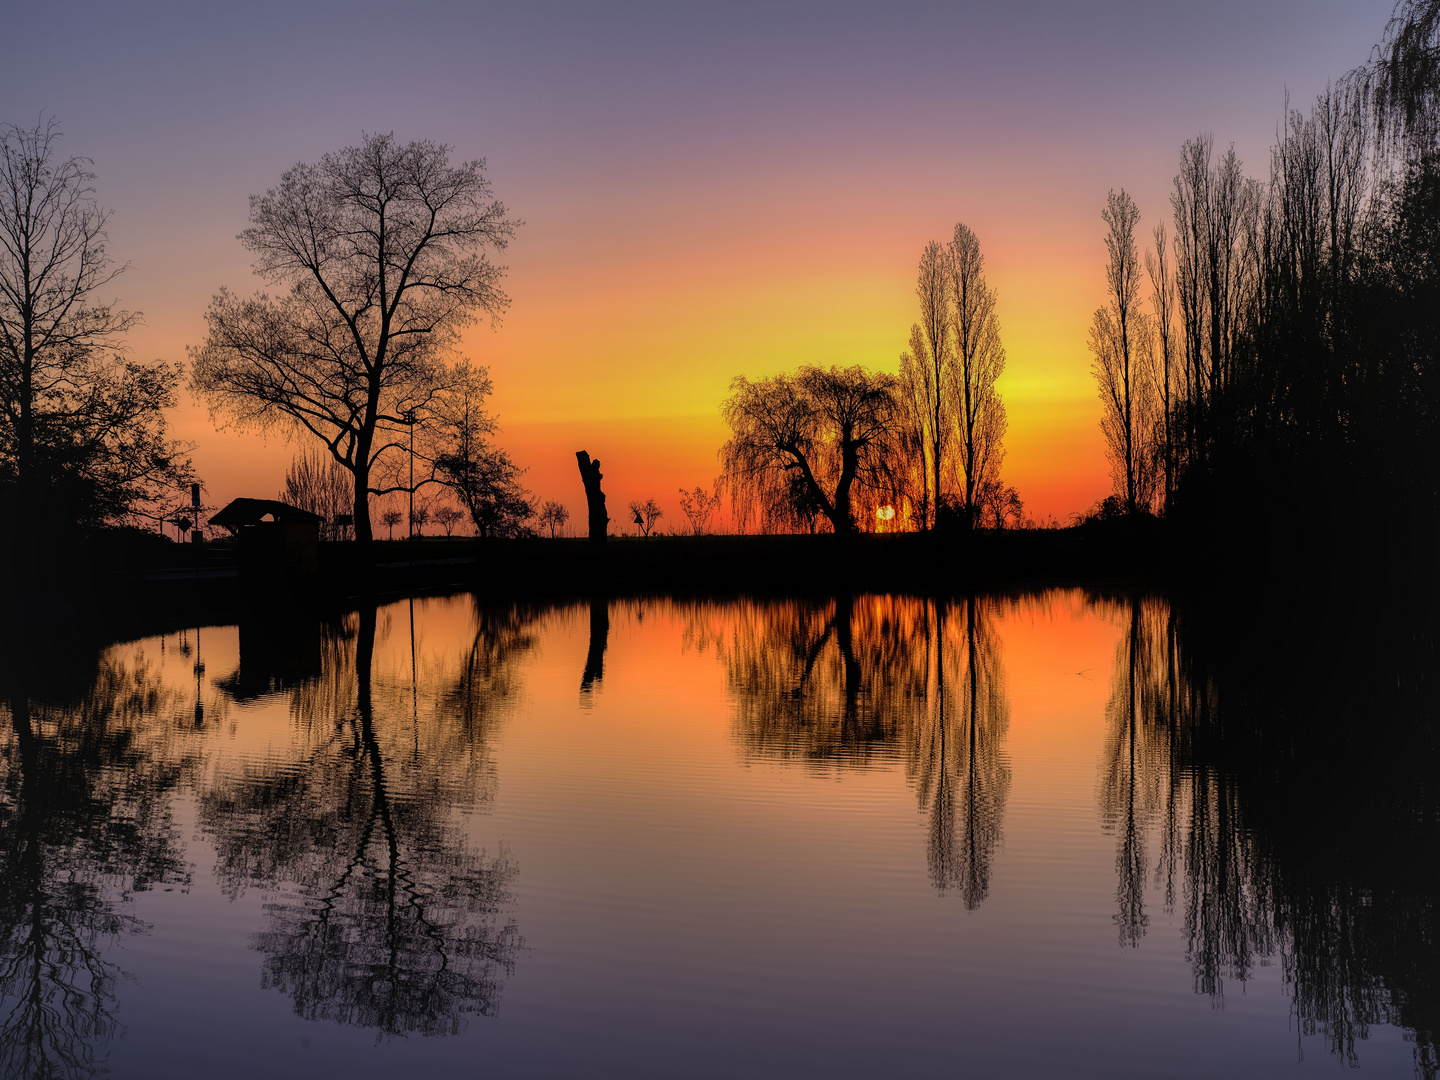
(867, 836)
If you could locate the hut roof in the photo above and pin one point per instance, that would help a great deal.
(244, 512)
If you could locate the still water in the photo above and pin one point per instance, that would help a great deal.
(873, 837)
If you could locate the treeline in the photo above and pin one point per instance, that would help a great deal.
(1269, 360)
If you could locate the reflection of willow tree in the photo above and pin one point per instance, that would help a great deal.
(85, 783)
(383, 915)
(1294, 800)
(856, 680)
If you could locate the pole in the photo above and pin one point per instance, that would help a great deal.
(410, 420)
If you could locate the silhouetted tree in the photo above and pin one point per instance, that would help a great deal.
(391, 518)
(316, 482)
(912, 442)
(480, 474)
(82, 428)
(1158, 268)
(1123, 359)
(699, 506)
(590, 476)
(975, 409)
(645, 515)
(928, 371)
(448, 517)
(1402, 82)
(999, 505)
(812, 436)
(553, 516)
(382, 250)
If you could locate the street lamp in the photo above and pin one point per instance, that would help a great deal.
(408, 419)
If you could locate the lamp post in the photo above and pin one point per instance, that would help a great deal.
(408, 417)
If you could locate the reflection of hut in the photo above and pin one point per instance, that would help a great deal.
(278, 543)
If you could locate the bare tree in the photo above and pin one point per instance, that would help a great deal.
(805, 440)
(976, 410)
(82, 429)
(391, 518)
(929, 371)
(645, 515)
(383, 250)
(1162, 301)
(999, 505)
(447, 517)
(913, 441)
(698, 506)
(1119, 340)
(553, 516)
(1190, 203)
(419, 518)
(316, 482)
(1230, 234)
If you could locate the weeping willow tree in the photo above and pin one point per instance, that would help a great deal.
(802, 443)
(1402, 80)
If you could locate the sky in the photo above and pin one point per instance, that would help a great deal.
(707, 190)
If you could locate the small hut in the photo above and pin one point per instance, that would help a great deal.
(278, 544)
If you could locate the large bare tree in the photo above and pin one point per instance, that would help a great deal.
(976, 411)
(384, 252)
(1120, 343)
(804, 441)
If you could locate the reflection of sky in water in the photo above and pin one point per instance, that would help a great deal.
(661, 839)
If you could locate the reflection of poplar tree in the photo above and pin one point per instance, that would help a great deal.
(384, 917)
(1129, 779)
(1158, 719)
(957, 759)
(84, 821)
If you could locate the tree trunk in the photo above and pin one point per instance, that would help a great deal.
(26, 525)
(840, 517)
(591, 476)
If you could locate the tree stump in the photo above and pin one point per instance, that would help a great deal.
(591, 475)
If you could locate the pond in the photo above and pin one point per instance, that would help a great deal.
(1031, 834)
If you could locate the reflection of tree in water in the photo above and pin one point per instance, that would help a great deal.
(858, 680)
(957, 757)
(1294, 800)
(85, 783)
(383, 915)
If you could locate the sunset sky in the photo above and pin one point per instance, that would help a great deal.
(707, 190)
